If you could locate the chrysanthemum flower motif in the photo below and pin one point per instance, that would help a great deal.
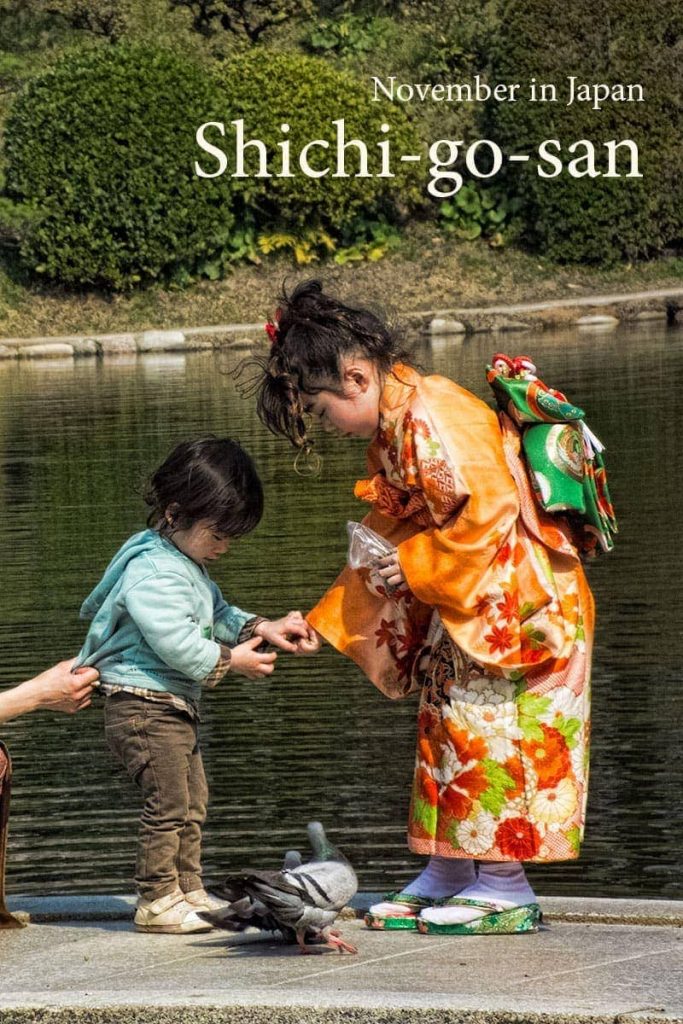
(495, 723)
(475, 835)
(484, 690)
(549, 755)
(563, 702)
(518, 839)
(553, 806)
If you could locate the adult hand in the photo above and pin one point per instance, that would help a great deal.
(286, 632)
(247, 661)
(63, 688)
(57, 689)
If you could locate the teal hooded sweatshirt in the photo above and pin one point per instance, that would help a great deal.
(156, 619)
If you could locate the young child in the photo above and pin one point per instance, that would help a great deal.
(489, 614)
(160, 632)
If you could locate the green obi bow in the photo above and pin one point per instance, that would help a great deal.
(564, 457)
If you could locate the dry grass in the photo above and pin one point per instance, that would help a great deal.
(426, 272)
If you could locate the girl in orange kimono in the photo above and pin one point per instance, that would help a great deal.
(483, 607)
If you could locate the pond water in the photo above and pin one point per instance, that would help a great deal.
(317, 741)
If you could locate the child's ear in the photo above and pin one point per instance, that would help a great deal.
(171, 512)
(356, 374)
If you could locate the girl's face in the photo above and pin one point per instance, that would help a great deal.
(201, 542)
(353, 412)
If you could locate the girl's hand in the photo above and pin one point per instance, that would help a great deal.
(391, 571)
(247, 661)
(285, 633)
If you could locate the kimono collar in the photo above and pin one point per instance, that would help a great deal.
(393, 497)
(399, 386)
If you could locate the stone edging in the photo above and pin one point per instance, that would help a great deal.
(597, 313)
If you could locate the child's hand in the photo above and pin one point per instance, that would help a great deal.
(247, 661)
(391, 571)
(286, 633)
(310, 644)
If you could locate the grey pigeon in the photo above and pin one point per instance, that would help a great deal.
(302, 900)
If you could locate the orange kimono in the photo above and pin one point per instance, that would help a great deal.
(494, 628)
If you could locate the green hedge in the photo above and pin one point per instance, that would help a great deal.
(101, 148)
(268, 89)
(612, 41)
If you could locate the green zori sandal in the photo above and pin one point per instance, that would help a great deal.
(403, 922)
(498, 921)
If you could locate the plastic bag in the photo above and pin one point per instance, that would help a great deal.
(366, 549)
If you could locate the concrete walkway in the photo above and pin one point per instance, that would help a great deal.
(575, 969)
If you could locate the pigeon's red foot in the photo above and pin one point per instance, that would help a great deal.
(335, 941)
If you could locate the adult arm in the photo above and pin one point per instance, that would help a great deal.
(56, 689)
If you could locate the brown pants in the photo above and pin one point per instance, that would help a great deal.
(159, 748)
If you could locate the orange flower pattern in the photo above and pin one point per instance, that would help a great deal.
(495, 631)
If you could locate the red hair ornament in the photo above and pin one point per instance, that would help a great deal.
(273, 328)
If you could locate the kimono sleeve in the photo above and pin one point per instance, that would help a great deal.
(383, 635)
(475, 559)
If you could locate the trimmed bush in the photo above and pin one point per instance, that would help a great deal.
(598, 220)
(268, 89)
(102, 149)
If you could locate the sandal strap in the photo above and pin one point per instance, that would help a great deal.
(408, 899)
(490, 905)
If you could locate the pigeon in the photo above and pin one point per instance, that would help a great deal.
(302, 901)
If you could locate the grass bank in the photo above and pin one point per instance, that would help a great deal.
(425, 272)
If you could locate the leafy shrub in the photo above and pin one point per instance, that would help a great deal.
(268, 89)
(476, 212)
(101, 148)
(452, 38)
(344, 36)
(597, 220)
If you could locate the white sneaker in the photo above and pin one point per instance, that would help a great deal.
(200, 899)
(170, 914)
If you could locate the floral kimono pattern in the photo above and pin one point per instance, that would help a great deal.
(494, 630)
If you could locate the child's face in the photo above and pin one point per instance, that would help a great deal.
(355, 411)
(201, 542)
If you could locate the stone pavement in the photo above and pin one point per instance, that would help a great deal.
(577, 968)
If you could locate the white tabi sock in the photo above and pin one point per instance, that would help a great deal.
(502, 883)
(443, 876)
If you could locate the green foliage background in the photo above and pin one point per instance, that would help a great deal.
(308, 94)
(98, 150)
(612, 41)
(98, 194)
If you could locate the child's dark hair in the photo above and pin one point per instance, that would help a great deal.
(209, 478)
(312, 332)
